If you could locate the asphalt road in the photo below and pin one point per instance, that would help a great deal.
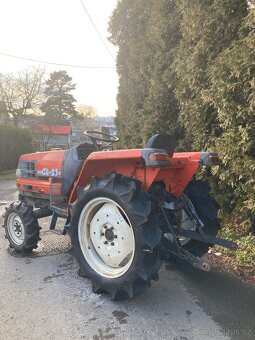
(42, 297)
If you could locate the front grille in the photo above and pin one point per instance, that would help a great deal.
(28, 169)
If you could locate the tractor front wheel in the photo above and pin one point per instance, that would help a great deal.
(21, 227)
(115, 236)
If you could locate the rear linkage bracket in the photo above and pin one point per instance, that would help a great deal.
(170, 202)
(182, 253)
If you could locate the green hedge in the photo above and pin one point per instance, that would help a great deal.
(190, 72)
(13, 143)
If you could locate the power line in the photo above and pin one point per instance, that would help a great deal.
(52, 63)
(96, 30)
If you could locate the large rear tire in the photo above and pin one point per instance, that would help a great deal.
(115, 236)
(21, 227)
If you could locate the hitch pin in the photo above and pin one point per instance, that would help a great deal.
(202, 265)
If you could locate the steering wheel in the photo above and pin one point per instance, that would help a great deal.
(105, 137)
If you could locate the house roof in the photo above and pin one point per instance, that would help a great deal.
(54, 129)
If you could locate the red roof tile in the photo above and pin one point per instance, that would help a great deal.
(54, 129)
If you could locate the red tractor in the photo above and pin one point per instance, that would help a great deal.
(125, 209)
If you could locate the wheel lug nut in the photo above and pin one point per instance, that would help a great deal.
(115, 236)
(112, 228)
(105, 227)
(105, 242)
(102, 234)
(112, 243)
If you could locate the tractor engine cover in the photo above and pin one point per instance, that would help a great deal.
(36, 171)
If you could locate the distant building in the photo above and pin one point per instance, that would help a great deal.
(104, 124)
(52, 136)
(107, 125)
(66, 134)
(79, 126)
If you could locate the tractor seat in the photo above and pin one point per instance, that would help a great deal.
(160, 141)
(73, 163)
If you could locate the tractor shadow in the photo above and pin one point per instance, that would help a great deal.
(227, 299)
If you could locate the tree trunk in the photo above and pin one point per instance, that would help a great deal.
(15, 119)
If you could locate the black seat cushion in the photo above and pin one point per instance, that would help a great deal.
(160, 141)
(73, 163)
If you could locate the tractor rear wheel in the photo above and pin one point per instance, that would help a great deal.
(21, 227)
(115, 236)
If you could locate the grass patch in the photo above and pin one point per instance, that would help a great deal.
(245, 254)
(8, 175)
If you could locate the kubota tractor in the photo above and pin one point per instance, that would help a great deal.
(125, 209)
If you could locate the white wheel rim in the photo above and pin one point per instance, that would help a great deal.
(106, 237)
(16, 229)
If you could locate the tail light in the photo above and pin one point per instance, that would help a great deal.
(159, 157)
(155, 157)
(209, 159)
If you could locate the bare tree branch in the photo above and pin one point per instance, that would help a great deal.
(22, 93)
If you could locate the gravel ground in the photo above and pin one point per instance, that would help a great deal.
(42, 297)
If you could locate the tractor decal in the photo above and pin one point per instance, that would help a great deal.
(49, 172)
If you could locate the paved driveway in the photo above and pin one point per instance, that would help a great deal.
(42, 297)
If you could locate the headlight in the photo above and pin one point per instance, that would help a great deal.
(18, 173)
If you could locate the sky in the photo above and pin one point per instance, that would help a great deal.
(60, 31)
